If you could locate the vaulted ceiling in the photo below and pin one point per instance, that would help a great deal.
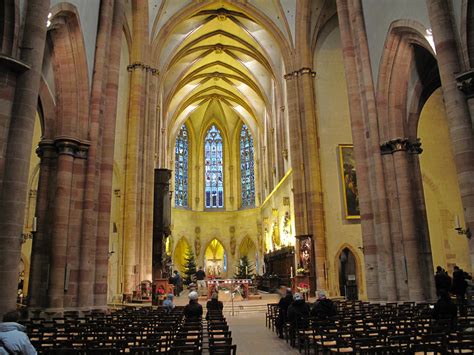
(219, 64)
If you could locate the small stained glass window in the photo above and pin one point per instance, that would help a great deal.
(181, 168)
(247, 168)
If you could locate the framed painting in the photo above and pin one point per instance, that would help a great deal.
(350, 192)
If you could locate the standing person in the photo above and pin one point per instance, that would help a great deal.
(442, 280)
(201, 281)
(214, 305)
(323, 308)
(177, 283)
(459, 288)
(13, 338)
(193, 309)
(283, 305)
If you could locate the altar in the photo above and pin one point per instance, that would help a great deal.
(239, 287)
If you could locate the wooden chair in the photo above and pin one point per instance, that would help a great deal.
(223, 349)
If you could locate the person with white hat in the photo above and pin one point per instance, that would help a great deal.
(193, 309)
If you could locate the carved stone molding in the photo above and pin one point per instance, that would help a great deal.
(401, 144)
(466, 83)
(46, 149)
(142, 66)
(300, 72)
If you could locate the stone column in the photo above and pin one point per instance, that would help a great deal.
(60, 222)
(40, 250)
(459, 119)
(132, 207)
(107, 161)
(18, 150)
(375, 220)
(93, 174)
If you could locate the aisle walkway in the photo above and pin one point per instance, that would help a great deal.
(253, 337)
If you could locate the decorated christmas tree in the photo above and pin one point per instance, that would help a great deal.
(189, 267)
(245, 268)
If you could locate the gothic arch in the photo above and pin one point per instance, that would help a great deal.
(216, 267)
(404, 39)
(70, 72)
(247, 246)
(358, 267)
(179, 253)
(10, 23)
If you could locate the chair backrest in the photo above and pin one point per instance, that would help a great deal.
(223, 349)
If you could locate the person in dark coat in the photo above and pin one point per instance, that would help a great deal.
(214, 305)
(444, 308)
(283, 310)
(298, 314)
(177, 282)
(459, 288)
(323, 308)
(193, 309)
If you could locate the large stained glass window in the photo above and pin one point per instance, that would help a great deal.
(213, 173)
(247, 168)
(181, 168)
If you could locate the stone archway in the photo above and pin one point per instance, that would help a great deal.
(215, 259)
(348, 278)
(249, 249)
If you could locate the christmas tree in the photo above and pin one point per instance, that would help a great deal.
(189, 266)
(245, 268)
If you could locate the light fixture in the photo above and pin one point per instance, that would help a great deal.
(460, 230)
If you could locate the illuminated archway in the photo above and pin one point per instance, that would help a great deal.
(215, 260)
(248, 248)
(179, 254)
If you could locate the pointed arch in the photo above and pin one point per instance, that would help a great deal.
(215, 258)
(179, 253)
(70, 71)
(357, 263)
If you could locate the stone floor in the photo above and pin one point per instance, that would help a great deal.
(252, 337)
(246, 320)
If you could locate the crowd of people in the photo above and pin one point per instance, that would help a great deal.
(457, 285)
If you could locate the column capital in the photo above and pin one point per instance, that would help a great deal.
(401, 144)
(465, 83)
(300, 72)
(142, 66)
(46, 149)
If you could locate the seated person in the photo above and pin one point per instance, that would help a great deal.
(444, 308)
(168, 303)
(323, 308)
(13, 338)
(298, 312)
(214, 305)
(193, 309)
(283, 310)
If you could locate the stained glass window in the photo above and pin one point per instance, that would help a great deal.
(214, 171)
(247, 180)
(181, 169)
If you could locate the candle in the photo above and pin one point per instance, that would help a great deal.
(291, 271)
(263, 268)
(246, 271)
(457, 224)
(33, 227)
